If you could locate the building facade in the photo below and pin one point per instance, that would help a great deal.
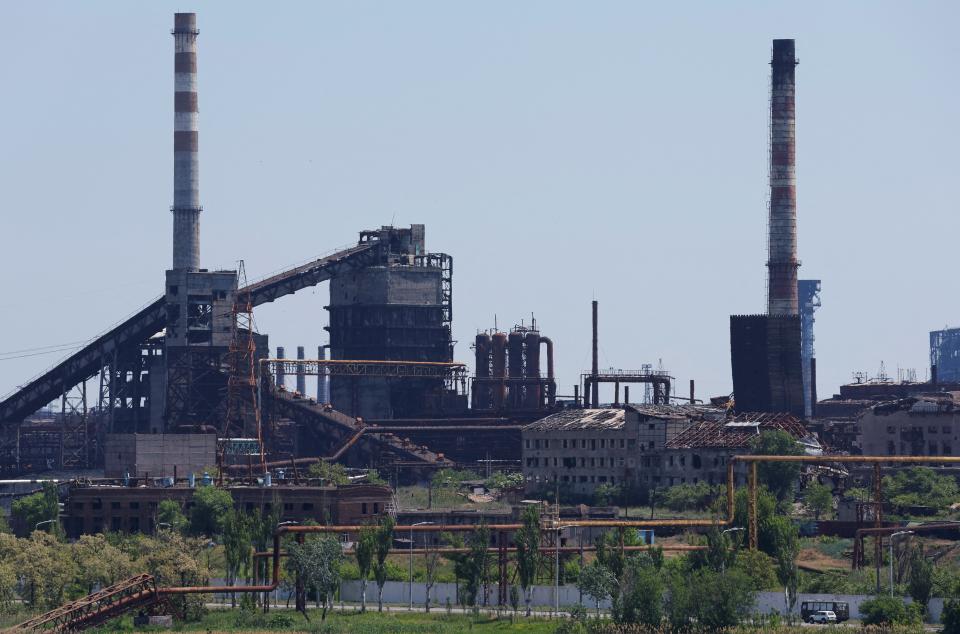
(918, 426)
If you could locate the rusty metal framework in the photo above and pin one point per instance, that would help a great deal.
(454, 373)
(659, 379)
(93, 609)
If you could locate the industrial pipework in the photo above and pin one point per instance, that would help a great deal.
(186, 158)
(782, 263)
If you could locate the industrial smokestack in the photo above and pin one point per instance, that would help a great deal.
(595, 366)
(186, 158)
(301, 375)
(782, 263)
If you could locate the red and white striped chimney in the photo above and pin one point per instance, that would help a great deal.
(782, 260)
(186, 158)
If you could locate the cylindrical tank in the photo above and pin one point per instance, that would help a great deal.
(515, 369)
(531, 397)
(481, 393)
(499, 345)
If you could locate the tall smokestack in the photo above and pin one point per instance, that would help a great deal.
(595, 365)
(186, 158)
(782, 262)
(301, 375)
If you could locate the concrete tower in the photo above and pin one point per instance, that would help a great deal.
(186, 158)
(783, 262)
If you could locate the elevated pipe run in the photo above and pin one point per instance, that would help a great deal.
(552, 385)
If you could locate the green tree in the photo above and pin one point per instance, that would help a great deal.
(528, 550)
(365, 549)
(236, 538)
(779, 477)
(474, 566)
(722, 600)
(786, 546)
(641, 593)
(921, 578)
(46, 569)
(330, 472)
(950, 618)
(920, 486)
(887, 610)
(766, 513)
(210, 507)
(8, 587)
(818, 498)
(170, 515)
(384, 543)
(681, 604)
(597, 582)
(605, 494)
(758, 568)
(317, 561)
(38, 508)
(99, 563)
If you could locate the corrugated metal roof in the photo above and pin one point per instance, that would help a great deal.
(573, 419)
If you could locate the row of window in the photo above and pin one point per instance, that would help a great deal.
(584, 443)
(931, 429)
(594, 479)
(916, 449)
(571, 463)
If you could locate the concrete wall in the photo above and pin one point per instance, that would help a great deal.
(158, 454)
(915, 432)
(767, 602)
(383, 285)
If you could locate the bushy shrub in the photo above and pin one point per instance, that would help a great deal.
(950, 618)
(886, 610)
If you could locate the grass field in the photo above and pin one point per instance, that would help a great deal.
(351, 622)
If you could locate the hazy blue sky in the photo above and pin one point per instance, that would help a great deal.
(560, 151)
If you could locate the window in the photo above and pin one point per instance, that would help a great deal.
(583, 443)
(116, 524)
(650, 445)
(554, 461)
(97, 504)
(603, 478)
(671, 463)
(891, 429)
(115, 505)
(135, 505)
(631, 443)
(531, 462)
(651, 426)
(683, 461)
(620, 462)
(536, 443)
(546, 443)
(603, 443)
(565, 478)
(891, 448)
(78, 506)
(623, 443)
(287, 506)
(526, 443)
(593, 462)
(583, 478)
(583, 462)
(569, 463)
(363, 508)
(945, 429)
(593, 444)
(931, 429)
(376, 508)
(308, 506)
(947, 451)
(134, 524)
(933, 448)
(601, 462)
(593, 478)
(564, 443)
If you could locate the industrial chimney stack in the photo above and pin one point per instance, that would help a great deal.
(186, 159)
(783, 262)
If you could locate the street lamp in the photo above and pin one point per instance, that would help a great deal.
(723, 562)
(39, 524)
(556, 570)
(410, 586)
(892, 537)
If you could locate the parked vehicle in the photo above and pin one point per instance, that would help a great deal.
(823, 616)
(841, 609)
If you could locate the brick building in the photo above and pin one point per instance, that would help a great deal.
(101, 508)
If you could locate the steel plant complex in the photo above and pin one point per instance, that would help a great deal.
(185, 393)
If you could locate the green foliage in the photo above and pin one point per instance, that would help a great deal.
(452, 477)
(384, 542)
(4, 523)
(365, 550)
(710, 599)
(527, 540)
(317, 561)
(720, 552)
(786, 548)
(950, 617)
(818, 498)
(329, 472)
(374, 477)
(236, 537)
(605, 494)
(640, 598)
(171, 515)
(597, 582)
(8, 587)
(38, 507)
(757, 567)
(766, 512)
(886, 610)
(501, 480)
(779, 477)
(688, 497)
(921, 578)
(473, 567)
(921, 486)
(210, 507)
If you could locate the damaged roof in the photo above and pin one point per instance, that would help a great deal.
(575, 419)
(737, 432)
